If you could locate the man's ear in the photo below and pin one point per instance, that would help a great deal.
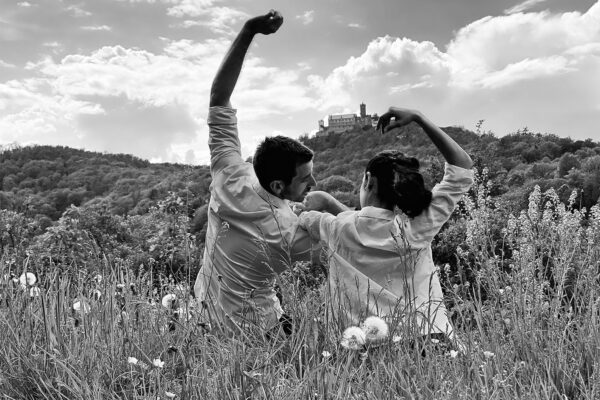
(277, 187)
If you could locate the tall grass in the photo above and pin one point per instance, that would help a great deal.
(530, 328)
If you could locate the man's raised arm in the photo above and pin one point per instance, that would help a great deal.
(229, 71)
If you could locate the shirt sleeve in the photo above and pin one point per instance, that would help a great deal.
(223, 140)
(445, 196)
(317, 224)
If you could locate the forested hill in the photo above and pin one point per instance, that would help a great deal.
(515, 162)
(44, 180)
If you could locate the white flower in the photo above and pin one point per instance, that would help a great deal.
(81, 306)
(132, 360)
(326, 354)
(27, 279)
(488, 354)
(34, 291)
(168, 300)
(170, 395)
(375, 329)
(98, 278)
(397, 338)
(157, 362)
(353, 338)
(454, 353)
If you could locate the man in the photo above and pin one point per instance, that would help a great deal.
(252, 232)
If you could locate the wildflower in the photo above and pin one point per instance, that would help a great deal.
(98, 278)
(132, 360)
(454, 353)
(158, 363)
(326, 354)
(27, 279)
(34, 291)
(353, 338)
(81, 306)
(375, 329)
(168, 300)
(170, 395)
(488, 354)
(397, 339)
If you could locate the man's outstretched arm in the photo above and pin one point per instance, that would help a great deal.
(229, 71)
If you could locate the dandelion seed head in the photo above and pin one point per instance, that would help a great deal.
(488, 354)
(168, 300)
(81, 306)
(375, 328)
(158, 363)
(27, 279)
(132, 360)
(353, 338)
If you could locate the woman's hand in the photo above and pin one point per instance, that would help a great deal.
(401, 116)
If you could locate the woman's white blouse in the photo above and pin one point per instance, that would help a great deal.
(381, 264)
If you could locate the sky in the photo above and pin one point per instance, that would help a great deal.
(133, 76)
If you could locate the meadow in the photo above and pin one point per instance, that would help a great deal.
(523, 294)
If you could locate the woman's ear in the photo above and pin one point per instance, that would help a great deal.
(370, 183)
(277, 188)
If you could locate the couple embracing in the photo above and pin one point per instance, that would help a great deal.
(379, 257)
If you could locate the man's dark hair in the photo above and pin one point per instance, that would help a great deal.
(277, 157)
(399, 182)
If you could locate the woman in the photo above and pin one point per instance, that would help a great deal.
(380, 257)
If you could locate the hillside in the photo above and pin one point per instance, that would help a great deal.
(45, 180)
(515, 163)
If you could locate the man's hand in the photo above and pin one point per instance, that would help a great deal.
(265, 24)
(402, 116)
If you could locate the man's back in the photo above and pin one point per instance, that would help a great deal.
(251, 236)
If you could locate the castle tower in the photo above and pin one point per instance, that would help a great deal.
(363, 110)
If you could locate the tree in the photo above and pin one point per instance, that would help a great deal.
(566, 163)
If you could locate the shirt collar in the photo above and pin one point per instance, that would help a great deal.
(268, 197)
(376, 212)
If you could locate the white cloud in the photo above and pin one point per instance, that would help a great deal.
(526, 5)
(307, 17)
(4, 64)
(356, 25)
(533, 69)
(24, 4)
(119, 96)
(96, 28)
(77, 11)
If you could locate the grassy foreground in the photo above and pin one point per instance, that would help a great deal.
(526, 335)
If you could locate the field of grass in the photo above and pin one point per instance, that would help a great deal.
(531, 328)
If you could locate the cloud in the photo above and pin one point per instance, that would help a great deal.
(4, 64)
(208, 13)
(96, 28)
(24, 4)
(307, 17)
(356, 25)
(151, 104)
(532, 69)
(77, 11)
(526, 5)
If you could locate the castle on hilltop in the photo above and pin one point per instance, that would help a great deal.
(346, 122)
